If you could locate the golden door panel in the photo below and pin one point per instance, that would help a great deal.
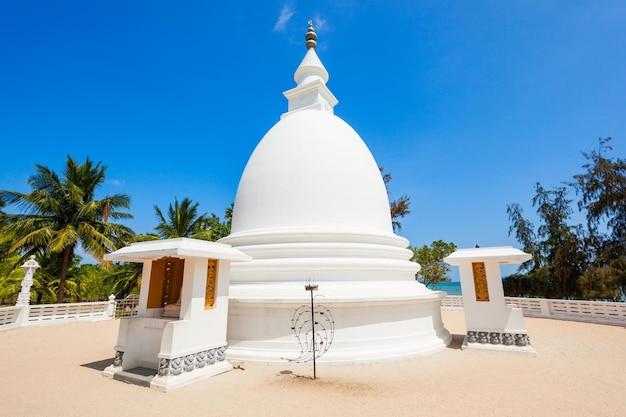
(480, 281)
(166, 281)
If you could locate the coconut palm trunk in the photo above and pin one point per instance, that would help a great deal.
(67, 254)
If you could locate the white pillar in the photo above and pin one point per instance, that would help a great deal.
(23, 299)
(111, 307)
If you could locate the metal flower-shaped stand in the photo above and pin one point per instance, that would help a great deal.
(314, 328)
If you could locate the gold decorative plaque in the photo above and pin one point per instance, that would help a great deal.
(211, 285)
(480, 281)
(166, 280)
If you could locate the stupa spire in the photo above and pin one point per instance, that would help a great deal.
(311, 37)
(311, 77)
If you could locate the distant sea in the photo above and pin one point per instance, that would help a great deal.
(452, 288)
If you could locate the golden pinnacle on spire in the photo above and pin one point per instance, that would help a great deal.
(311, 37)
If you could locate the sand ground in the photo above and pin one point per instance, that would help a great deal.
(580, 370)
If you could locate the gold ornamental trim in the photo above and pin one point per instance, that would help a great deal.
(211, 285)
(480, 281)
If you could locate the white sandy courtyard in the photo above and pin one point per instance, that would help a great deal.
(580, 370)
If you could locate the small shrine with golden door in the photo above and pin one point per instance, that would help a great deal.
(491, 323)
(179, 333)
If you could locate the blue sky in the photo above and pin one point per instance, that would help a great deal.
(466, 104)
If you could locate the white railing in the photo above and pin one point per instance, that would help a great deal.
(42, 314)
(9, 315)
(576, 310)
(126, 307)
(452, 302)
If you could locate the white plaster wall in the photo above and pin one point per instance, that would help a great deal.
(198, 329)
(374, 321)
(140, 340)
(146, 338)
(145, 286)
(493, 315)
(365, 331)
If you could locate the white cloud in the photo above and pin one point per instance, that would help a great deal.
(319, 23)
(115, 183)
(285, 14)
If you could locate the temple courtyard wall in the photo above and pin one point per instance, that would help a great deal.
(579, 371)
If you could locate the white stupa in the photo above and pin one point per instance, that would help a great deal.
(312, 206)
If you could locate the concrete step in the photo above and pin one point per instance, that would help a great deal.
(137, 376)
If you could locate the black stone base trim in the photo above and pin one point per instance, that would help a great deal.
(187, 363)
(498, 338)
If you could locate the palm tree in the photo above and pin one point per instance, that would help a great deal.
(10, 280)
(61, 213)
(182, 220)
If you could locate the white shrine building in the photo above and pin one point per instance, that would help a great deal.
(312, 206)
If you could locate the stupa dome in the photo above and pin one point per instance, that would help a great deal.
(311, 171)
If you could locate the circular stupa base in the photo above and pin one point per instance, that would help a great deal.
(357, 322)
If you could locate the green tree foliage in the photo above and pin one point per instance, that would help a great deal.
(183, 221)
(89, 283)
(525, 234)
(214, 228)
(603, 191)
(61, 213)
(602, 188)
(400, 207)
(574, 261)
(124, 279)
(434, 269)
(10, 280)
(46, 278)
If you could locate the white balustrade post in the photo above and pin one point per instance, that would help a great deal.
(545, 307)
(23, 299)
(111, 307)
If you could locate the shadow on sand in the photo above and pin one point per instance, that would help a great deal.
(457, 341)
(98, 365)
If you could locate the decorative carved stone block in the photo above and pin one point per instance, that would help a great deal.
(201, 359)
(117, 361)
(221, 353)
(498, 338)
(521, 339)
(494, 338)
(188, 364)
(211, 357)
(176, 366)
(164, 367)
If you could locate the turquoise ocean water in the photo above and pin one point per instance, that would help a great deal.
(452, 288)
